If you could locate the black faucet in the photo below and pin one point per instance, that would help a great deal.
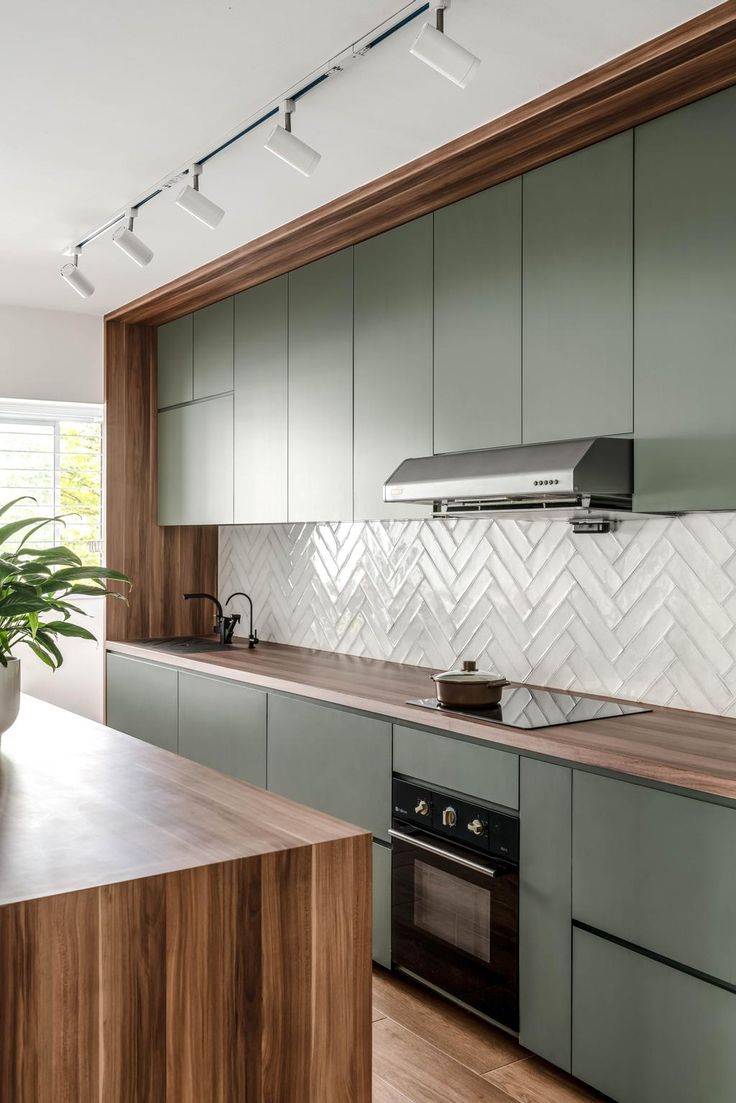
(224, 626)
(252, 634)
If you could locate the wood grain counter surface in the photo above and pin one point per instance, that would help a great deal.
(170, 935)
(673, 747)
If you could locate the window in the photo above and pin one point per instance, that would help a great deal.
(53, 452)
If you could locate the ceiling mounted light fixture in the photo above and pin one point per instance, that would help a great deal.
(130, 243)
(76, 279)
(289, 148)
(190, 199)
(434, 48)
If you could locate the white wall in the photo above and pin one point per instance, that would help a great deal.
(50, 355)
(53, 356)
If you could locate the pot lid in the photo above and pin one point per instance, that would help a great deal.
(470, 675)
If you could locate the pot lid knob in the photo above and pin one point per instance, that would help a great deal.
(469, 665)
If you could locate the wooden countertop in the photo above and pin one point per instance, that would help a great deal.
(689, 750)
(82, 805)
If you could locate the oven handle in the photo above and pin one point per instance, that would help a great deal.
(489, 871)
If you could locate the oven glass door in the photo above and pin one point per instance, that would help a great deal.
(454, 924)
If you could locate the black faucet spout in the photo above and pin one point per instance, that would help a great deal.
(252, 633)
(224, 626)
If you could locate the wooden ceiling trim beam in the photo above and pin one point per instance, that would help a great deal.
(684, 64)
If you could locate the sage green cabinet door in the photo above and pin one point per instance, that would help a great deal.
(213, 349)
(545, 910)
(175, 379)
(685, 281)
(477, 321)
(393, 362)
(382, 904)
(656, 869)
(142, 700)
(223, 725)
(646, 1033)
(261, 345)
(338, 762)
(578, 294)
(195, 463)
(321, 390)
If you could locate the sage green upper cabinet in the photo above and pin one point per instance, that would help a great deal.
(321, 390)
(261, 347)
(213, 349)
(477, 321)
(175, 379)
(578, 294)
(393, 362)
(195, 463)
(223, 725)
(685, 319)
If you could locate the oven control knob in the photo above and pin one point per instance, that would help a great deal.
(476, 827)
(422, 808)
(449, 817)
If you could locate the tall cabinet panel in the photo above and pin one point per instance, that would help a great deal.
(213, 349)
(578, 294)
(321, 390)
(685, 317)
(195, 463)
(175, 380)
(261, 346)
(393, 361)
(477, 321)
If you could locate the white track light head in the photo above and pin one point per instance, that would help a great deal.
(291, 149)
(190, 199)
(434, 48)
(76, 279)
(131, 244)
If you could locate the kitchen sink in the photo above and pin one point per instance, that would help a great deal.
(189, 644)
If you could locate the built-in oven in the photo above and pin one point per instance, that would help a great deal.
(455, 897)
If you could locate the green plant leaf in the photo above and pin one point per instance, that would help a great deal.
(73, 573)
(64, 628)
(23, 498)
(6, 531)
(39, 651)
(49, 644)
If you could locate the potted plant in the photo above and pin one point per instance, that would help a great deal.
(37, 591)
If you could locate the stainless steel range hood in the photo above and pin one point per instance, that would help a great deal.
(587, 482)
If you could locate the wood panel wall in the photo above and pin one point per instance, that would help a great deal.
(162, 562)
(683, 65)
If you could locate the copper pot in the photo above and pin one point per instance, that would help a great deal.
(468, 688)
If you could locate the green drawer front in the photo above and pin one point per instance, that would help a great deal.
(482, 772)
(382, 904)
(142, 700)
(223, 725)
(646, 1033)
(658, 870)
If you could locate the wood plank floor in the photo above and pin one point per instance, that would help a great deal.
(426, 1050)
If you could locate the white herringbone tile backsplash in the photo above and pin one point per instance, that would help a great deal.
(647, 612)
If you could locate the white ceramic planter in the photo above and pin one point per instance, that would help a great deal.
(9, 694)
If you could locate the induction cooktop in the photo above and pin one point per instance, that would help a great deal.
(526, 707)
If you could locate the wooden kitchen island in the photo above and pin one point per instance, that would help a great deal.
(171, 935)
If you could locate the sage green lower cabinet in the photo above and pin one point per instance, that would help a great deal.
(213, 349)
(261, 403)
(644, 1032)
(175, 375)
(685, 279)
(657, 870)
(392, 362)
(382, 904)
(477, 320)
(321, 390)
(545, 910)
(578, 294)
(338, 762)
(195, 463)
(142, 700)
(472, 768)
(222, 724)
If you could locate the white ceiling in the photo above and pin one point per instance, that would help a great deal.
(100, 102)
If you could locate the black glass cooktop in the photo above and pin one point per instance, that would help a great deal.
(525, 707)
